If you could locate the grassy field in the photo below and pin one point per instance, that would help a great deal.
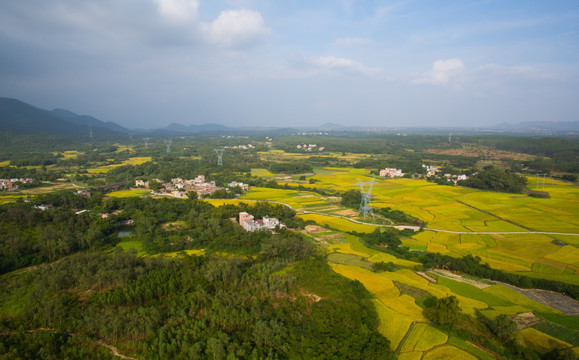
(132, 244)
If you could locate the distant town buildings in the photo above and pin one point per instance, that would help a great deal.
(391, 172)
(309, 147)
(244, 147)
(83, 193)
(142, 183)
(430, 170)
(249, 224)
(244, 187)
(179, 187)
(10, 184)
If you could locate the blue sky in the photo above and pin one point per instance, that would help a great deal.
(148, 63)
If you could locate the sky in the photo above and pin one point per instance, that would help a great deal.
(373, 63)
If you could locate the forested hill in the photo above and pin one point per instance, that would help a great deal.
(21, 118)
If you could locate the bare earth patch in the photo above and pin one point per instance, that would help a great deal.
(312, 229)
(348, 212)
(526, 320)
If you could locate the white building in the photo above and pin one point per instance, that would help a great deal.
(249, 224)
(391, 172)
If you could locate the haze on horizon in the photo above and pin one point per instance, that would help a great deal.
(149, 63)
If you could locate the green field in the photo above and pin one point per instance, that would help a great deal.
(558, 331)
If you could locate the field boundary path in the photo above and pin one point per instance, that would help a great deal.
(491, 214)
(399, 347)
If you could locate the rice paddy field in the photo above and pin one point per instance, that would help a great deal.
(137, 160)
(461, 212)
(129, 193)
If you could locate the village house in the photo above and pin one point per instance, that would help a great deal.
(391, 172)
(249, 224)
(142, 183)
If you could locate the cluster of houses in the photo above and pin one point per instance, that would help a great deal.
(244, 147)
(10, 184)
(309, 147)
(178, 187)
(249, 224)
(391, 172)
(433, 171)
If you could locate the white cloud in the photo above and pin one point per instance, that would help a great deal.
(235, 28)
(178, 10)
(442, 72)
(335, 63)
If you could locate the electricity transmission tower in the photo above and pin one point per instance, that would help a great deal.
(543, 175)
(168, 143)
(90, 132)
(219, 156)
(146, 141)
(450, 137)
(366, 204)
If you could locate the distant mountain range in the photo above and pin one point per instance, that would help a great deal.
(21, 118)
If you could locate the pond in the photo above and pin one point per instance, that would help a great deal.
(126, 231)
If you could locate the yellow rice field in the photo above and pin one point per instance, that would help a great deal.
(448, 352)
(423, 337)
(338, 223)
(129, 193)
(131, 161)
(541, 342)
